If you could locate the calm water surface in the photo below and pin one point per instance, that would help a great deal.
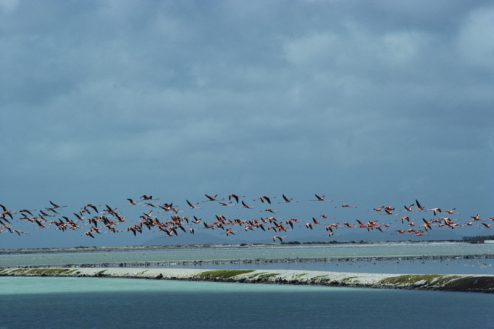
(123, 303)
(353, 252)
(450, 266)
(281, 252)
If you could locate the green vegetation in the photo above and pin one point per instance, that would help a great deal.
(263, 276)
(348, 279)
(482, 283)
(411, 279)
(43, 271)
(443, 282)
(300, 276)
(222, 274)
(319, 277)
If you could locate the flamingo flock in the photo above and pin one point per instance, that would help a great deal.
(172, 220)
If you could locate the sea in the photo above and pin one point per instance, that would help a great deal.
(131, 303)
(44, 302)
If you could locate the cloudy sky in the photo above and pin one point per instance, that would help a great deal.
(368, 102)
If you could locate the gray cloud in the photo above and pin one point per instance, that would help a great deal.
(104, 98)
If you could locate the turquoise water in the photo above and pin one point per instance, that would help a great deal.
(281, 252)
(122, 303)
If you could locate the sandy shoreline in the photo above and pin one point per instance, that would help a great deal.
(449, 282)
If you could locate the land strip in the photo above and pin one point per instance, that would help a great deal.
(457, 282)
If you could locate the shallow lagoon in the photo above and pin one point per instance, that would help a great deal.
(131, 303)
(395, 266)
(250, 253)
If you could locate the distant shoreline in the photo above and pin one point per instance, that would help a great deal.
(260, 261)
(82, 249)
